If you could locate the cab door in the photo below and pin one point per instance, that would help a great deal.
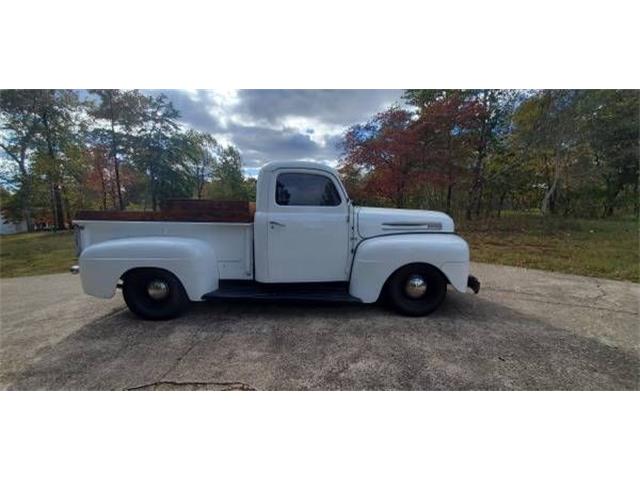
(307, 228)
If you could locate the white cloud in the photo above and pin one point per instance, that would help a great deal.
(316, 130)
(268, 125)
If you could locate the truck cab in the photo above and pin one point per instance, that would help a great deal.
(304, 240)
(302, 224)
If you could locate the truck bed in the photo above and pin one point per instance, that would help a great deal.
(226, 226)
(181, 210)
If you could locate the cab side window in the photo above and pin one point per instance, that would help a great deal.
(305, 189)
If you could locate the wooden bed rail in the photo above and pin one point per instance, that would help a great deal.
(181, 210)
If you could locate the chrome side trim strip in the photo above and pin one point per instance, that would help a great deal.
(431, 226)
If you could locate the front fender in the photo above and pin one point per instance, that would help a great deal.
(377, 258)
(192, 261)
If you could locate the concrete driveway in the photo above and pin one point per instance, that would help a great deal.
(526, 329)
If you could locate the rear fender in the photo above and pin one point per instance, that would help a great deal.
(193, 261)
(376, 259)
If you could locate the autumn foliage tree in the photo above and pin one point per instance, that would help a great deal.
(448, 126)
(400, 154)
(385, 149)
(479, 152)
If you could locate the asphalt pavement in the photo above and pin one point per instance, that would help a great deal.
(526, 330)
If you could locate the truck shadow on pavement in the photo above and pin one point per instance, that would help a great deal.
(469, 344)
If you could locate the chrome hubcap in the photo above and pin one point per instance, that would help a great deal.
(158, 290)
(415, 287)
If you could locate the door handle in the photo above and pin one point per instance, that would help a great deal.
(276, 224)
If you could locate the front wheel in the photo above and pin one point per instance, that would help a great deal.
(417, 289)
(154, 294)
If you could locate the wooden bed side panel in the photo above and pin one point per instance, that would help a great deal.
(181, 210)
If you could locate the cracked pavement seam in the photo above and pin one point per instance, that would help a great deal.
(167, 385)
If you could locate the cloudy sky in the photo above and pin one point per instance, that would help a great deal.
(270, 125)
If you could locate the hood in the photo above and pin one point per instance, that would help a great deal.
(384, 221)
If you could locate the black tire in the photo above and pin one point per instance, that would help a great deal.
(135, 290)
(436, 290)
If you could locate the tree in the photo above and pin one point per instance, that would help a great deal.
(610, 122)
(492, 109)
(10, 205)
(19, 127)
(204, 151)
(57, 114)
(114, 149)
(227, 179)
(159, 153)
(545, 132)
(386, 150)
(100, 177)
(400, 155)
(119, 114)
(446, 125)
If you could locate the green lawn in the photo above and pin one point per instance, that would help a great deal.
(36, 253)
(598, 248)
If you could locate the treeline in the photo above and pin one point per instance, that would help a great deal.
(104, 149)
(469, 152)
(479, 152)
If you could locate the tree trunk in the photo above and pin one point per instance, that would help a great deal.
(489, 205)
(449, 196)
(501, 203)
(113, 196)
(67, 206)
(476, 188)
(548, 202)
(103, 186)
(474, 192)
(154, 192)
(400, 187)
(478, 201)
(116, 167)
(608, 211)
(613, 192)
(58, 212)
(56, 206)
(114, 156)
(53, 204)
(57, 198)
(26, 196)
(200, 186)
(28, 219)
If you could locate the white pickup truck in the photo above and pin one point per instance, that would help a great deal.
(305, 241)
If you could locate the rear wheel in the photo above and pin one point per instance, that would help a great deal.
(417, 289)
(154, 294)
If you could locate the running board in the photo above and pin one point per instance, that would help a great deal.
(253, 291)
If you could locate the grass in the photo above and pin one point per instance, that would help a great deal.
(36, 253)
(597, 248)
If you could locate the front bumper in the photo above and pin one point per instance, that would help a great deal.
(473, 283)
